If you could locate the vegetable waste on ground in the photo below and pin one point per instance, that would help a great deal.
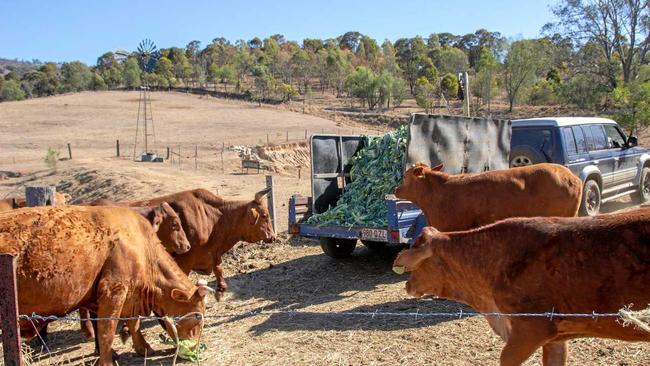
(187, 348)
(377, 169)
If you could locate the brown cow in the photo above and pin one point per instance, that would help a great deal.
(537, 265)
(107, 259)
(214, 225)
(465, 201)
(165, 220)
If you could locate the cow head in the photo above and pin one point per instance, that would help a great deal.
(170, 231)
(428, 271)
(414, 182)
(258, 220)
(190, 305)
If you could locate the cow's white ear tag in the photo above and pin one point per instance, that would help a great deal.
(398, 269)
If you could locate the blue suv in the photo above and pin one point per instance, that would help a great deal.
(609, 163)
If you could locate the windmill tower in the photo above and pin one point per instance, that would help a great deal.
(145, 130)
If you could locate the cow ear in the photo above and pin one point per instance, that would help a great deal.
(438, 168)
(253, 215)
(203, 288)
(157, 218)
(180, 295)
(411, 259)
(418, 171)
(261, 194)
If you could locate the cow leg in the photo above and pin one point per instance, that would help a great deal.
(139, 343)
(86, 325)
(524, 339)
(93, 325)
(222, 286)
(43, 333)
(554, 354)
(111, 299)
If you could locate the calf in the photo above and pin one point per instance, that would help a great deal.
(538, 265)
(464, 201)
(107, 259)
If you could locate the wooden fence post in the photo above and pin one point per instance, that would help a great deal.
(117, 147)
(69, 152)
(196, 156)
(168, 153)
(287, 135)
(9, 311)
(305, 134)
(271, 201)
(267, 139)
(40, 196)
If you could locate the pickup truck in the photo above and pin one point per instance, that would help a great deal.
(464, 144)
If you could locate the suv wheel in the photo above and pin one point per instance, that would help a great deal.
(338, 248)
(591, 199)
(643, 193)
(521, 158)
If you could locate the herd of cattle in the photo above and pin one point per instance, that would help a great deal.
(504, 241)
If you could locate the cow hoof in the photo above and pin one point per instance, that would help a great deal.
(145, 351)
(218, 295)
(124, 334)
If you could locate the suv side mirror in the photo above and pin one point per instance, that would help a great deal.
(632, 141)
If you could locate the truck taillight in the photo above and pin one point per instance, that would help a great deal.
(394, 235)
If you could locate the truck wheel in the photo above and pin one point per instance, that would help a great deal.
(338, 248)
(590, 205)
(643, 194)
(522, 157)
(375, 246)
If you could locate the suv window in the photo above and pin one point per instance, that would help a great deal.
(569, 141)
(581, 143)
(537, 138)
(596, 139)
(614, 137)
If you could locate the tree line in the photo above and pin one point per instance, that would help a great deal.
(593, 56)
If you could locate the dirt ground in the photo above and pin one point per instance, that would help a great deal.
(285, 276)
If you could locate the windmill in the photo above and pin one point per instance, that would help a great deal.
(147, 55)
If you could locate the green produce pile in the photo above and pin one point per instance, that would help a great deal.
(187, 348)
(376, 171)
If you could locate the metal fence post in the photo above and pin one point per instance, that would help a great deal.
(69, 152)
(271, 202)
(9, 311)
(117, 147)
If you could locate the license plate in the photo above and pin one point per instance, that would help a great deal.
(374, 234)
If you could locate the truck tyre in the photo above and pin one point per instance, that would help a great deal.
(591, 199)
(375, 246)
(523, 157)
(643, 194)
(338, 248)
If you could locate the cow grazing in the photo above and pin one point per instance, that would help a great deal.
(163, 218)
(538, 265)
(107, 259)
(214, 225)
(465, 201)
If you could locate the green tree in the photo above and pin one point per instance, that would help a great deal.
(485, 82)
(362, 83)
(399, 91)
(620, 28)
(410, 55)
(449, 86)
(131, 74)
(633, 104)
(524, 61)
(11, 91)
(227, 75)
(451, 60)
(425, 94)
(264, 83)
(165, 69)
(97, 82)
(76, 76)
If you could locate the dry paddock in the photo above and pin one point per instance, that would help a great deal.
(289, 275)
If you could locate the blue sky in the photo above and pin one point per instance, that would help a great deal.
(82, 30)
